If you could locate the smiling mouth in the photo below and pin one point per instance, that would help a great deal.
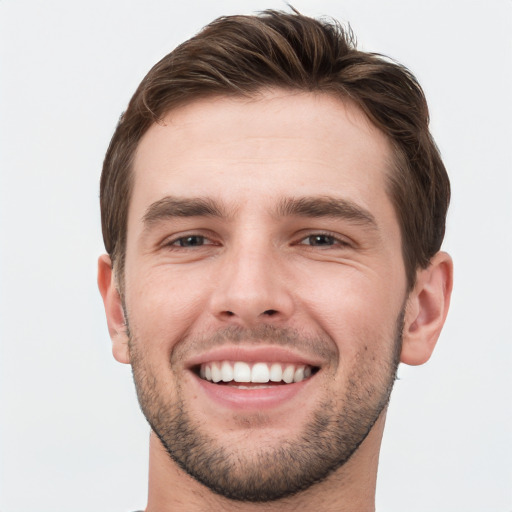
(254, 375)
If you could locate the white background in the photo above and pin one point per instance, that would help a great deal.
(71, 435)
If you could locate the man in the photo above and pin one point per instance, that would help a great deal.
(273, 207)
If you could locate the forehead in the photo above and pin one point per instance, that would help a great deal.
(279, 143)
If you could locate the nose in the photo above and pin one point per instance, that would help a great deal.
(252, 287)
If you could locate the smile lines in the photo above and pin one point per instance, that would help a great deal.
(227, 371)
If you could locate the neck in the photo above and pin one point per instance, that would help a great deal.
(351, 487)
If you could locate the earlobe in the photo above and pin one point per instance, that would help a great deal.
(113, 309)
(426, 309)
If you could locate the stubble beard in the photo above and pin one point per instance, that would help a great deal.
(336, 429)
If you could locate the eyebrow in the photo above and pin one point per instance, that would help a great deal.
(170, 207)
(326, 206)
(312, 207)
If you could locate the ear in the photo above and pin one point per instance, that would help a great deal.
(426, 310)
(113, 309)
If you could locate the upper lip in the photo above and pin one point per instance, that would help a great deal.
(253, 354)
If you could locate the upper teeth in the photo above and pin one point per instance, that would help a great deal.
(240, 371)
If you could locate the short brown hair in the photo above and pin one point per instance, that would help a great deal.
(240, 55)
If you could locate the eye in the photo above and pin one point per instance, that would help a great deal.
(189, 241)
(322, 240)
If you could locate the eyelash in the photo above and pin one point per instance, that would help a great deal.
(336, 241)
(174, 243)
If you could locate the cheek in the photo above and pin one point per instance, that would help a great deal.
(162, 305)
(357, 311)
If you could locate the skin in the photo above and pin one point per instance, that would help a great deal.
(337, 281)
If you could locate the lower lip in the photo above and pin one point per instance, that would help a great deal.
(251, 399)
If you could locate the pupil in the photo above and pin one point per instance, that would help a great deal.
(321, 240)
(191, 241)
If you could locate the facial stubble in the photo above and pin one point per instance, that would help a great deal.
(337, 427)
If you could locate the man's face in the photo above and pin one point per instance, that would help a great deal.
(262, 245)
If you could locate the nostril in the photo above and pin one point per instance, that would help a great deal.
(270, 312)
